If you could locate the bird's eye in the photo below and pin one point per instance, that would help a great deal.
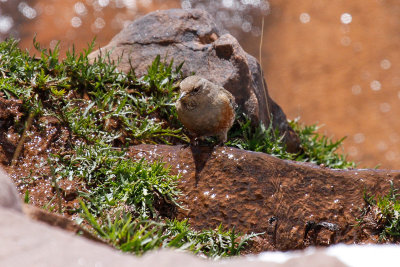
(196, 89)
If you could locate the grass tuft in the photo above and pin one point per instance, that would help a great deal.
(384, 212)
(140, 235)
(319, 149)
(316, 148)
(260, 139)
(113, 179)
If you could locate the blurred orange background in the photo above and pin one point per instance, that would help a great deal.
(334, 63)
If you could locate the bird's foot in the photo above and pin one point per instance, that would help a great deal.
(184, 146)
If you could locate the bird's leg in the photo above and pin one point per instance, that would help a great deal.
(192, 141)
(222, 138)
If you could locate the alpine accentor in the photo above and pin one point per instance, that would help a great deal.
(205, 109)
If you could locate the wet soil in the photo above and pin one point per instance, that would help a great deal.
(31, 171)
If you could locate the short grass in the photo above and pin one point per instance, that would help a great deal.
(385, 211)
(105, 111)
(140, 234)
(316, 148)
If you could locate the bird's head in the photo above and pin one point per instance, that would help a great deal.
(191, 86)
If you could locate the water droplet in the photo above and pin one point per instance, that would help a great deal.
(99, 23)
(384, 107)
(246, 26)
(375, 85)
(27, 11)
(356, 89)
(104, 3)
(386, 64)
(6, 24)
(206, 193)
(227, 3)
(345, 41)
(76, 22)
(346, 18)
(382, 146)
(80, 8)
(304, 18)
(359, 138)
(391, 155)
(353, 151)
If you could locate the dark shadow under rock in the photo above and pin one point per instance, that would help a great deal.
(295, 204)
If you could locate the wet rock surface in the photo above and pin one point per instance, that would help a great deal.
(295, 204)
(191, 36)
(25, 242)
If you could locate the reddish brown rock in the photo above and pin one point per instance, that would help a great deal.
(193, 37)
(295, 204)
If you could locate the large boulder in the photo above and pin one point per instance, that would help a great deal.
(294, 204)
(193, 37)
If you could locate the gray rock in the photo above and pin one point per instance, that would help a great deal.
(29, 243)
(193, 37)
(8, 194)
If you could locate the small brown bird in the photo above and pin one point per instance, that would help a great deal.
(205, 109)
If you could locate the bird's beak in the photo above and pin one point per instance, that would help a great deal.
(182, 96)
